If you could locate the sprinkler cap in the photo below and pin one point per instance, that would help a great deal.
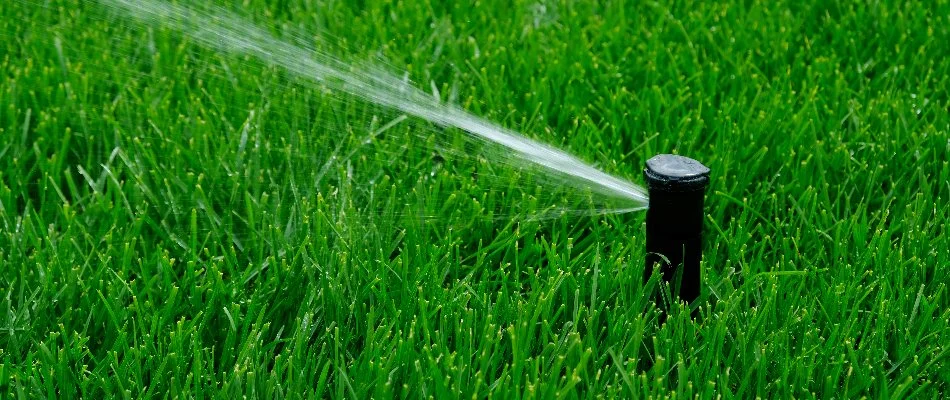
(673, 173)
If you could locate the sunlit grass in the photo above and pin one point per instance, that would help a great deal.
(175, 222)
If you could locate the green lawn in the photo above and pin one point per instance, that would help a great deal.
(175, 222)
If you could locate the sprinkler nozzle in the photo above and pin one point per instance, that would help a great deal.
(677, 187)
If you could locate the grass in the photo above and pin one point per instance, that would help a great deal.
(172, 223)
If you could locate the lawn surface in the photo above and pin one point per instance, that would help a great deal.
(176, 222)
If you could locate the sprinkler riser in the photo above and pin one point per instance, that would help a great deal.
(677, 187)
(674, 230)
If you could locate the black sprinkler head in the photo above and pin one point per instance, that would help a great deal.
(677, 187)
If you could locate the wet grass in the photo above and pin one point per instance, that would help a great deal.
(178, 223)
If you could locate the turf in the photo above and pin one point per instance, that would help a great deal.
(173, 222)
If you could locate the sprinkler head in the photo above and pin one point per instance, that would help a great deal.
(677, 187)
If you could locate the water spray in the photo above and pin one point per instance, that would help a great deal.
(220, 29)
(677, 187)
